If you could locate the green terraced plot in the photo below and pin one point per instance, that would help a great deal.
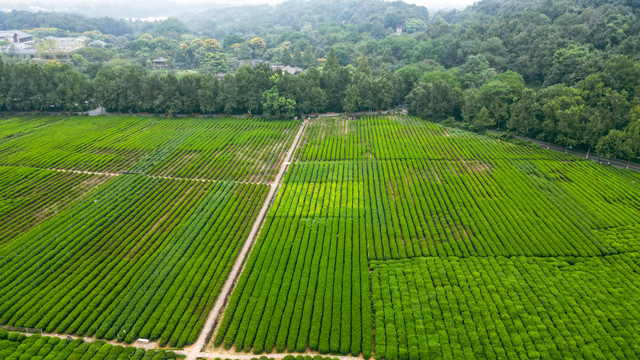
(368, 199)
(126, 256)
(140, 257)
(519, 307)
(18, 346)
(30, 196)
(389, 237)
(221, 149)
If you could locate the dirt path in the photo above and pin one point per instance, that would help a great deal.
(152, 176)
(222, 354)
(249, 356)
(238, 265)
(146, 346)
(84, 172)
(206, 180)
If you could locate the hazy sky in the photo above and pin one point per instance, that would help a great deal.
(428, 3)
(434, 4)
(52, 4)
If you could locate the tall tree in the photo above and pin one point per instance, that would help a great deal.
(297, 57)
(524, 114)
(307, 57)
(482, 120)
(285, 56)
(498, 93)
(612, 145)
(351, 99)
(332, 60)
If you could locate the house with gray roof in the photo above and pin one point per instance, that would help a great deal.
(16, 37)
(291, 70)
(18, 51)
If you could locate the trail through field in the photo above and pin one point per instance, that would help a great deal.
(152, 176)
(249, 356)
(238, 266)
(147, 346)
(83, 172)
(219, 353)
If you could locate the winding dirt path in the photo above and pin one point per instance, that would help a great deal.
(194, 351)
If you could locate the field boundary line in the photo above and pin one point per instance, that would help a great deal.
(210, 325)
(148, 346)
(249, 356)
(602, 160)
(111, 174)
(81, 171)
(195, 355)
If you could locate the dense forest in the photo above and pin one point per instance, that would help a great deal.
(566, 72)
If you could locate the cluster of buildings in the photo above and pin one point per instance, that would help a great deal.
(19, 44)
(16, 43)
(292, 70)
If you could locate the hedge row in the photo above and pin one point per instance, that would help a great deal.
(519, 307)
(405, 137)
(222, 149)
(141, 257)
(30, 196)
(36, 347)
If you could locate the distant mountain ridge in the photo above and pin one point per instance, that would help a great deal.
(302, 12)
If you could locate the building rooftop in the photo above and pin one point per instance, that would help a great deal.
(16, 36)
(292, 70)
(19, 50)
(10, 33)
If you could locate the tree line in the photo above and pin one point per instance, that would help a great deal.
(600, 112)
(255, 90)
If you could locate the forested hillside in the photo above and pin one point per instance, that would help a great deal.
(66, 22)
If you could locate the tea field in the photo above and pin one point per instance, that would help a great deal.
(18, 346)
(402, 239)
(106, 233)
(389, 237)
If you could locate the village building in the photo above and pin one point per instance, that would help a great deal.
(249, 62)
(160, 63)
(16, 37)
(291, 70)
(17, 51)
(63, 47)
(97, 43)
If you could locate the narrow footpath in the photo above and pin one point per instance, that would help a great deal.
(213, 318)
(225, 354)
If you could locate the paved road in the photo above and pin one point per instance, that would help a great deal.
(620, 164)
